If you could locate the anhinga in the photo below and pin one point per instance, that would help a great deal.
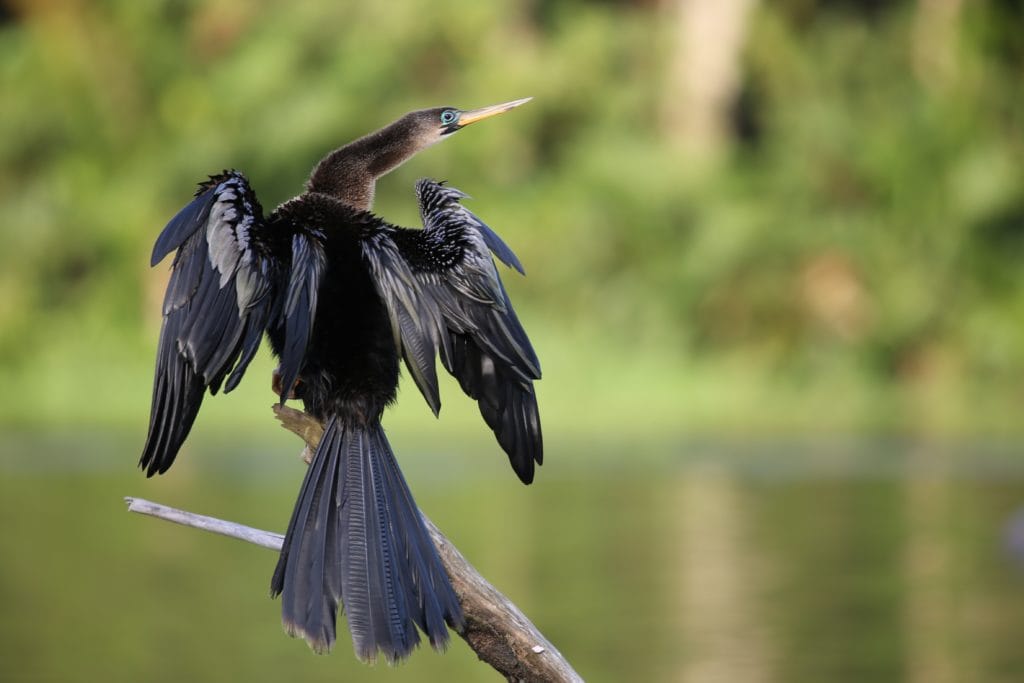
(342, 295)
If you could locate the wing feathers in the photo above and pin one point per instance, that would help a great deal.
(182, 226)
(215, 308)
(445, 297)
(415, 319)
(500, 249)
(308, 263)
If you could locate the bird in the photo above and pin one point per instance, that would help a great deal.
(345, 298)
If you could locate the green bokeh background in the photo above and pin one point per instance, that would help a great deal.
(745, 225)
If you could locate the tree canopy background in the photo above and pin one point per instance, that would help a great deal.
(793, 215)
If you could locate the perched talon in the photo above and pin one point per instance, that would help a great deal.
(275, 384)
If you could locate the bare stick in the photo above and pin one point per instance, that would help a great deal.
(266, 539)
(495, 628)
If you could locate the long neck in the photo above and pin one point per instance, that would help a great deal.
(350, 173)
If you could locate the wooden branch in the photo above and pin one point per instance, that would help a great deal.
(495, 628)
(266, 539)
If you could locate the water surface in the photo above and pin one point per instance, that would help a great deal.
(718, 561)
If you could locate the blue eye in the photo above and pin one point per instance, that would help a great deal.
(449, 116)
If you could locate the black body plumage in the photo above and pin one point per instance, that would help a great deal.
(344, 297)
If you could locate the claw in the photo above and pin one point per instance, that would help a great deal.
(275, 384)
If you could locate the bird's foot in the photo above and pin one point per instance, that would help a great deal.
(275, 384)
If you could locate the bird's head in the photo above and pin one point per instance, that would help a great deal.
(350, 172)
(429, 126)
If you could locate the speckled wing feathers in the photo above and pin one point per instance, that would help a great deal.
(445, 297)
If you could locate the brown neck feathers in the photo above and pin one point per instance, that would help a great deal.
(350, 173)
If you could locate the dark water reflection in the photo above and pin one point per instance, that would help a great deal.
(880, 562)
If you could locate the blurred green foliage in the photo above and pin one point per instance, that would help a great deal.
(857, 234)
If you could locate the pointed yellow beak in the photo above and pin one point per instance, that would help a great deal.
(474, 115)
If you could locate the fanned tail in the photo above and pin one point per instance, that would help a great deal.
(356, 537)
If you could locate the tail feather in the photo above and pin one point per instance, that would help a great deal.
(432, 603)
(309, 606)
(356, 537)
(380, 618)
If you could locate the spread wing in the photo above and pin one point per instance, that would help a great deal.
(444, 297)
(226, 287)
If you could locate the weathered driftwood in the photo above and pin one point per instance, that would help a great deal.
(495, 628)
